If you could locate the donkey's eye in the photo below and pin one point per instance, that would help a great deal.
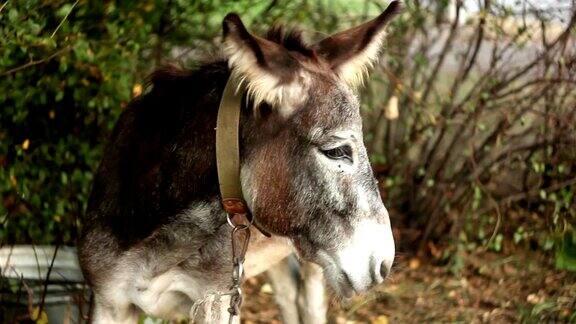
(343, 152)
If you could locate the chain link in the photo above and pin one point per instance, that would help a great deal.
(240, 237)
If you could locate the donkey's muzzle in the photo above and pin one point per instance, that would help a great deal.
(365, 260)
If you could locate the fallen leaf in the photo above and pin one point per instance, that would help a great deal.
(534, 299)
(340, 320)
(266, 288)
(382, 319)
(414, 263)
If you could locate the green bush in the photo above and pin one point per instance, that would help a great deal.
(66, 69)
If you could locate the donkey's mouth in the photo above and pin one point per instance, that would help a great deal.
(346, 286)
(337, 278)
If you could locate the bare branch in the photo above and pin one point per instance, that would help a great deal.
(32, 63)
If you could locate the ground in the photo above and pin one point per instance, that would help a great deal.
(488, 288)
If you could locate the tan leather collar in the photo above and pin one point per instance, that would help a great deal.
(228, 152)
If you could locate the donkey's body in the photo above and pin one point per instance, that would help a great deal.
(156, 238)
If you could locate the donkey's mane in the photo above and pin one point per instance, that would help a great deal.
(290, 38)
(162, 143)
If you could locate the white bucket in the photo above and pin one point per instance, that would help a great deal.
(25, 270)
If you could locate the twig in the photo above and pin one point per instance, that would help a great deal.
(443, 53)
(43, 300)
(32, 63)
(463, 75)
(526, 86)
(561, 39)
(498, 220)
(30, 297)
(4, 5)
(64, 19)
(18, 296)
(532, 193)
(490, 197)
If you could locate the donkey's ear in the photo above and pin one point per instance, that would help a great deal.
(271, 74)
(351, 52)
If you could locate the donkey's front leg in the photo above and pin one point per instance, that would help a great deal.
(299, 291)
(312, 303)
(105, 313)
(284, 280)
(213, 309)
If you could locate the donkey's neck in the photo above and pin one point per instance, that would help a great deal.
(161, 158)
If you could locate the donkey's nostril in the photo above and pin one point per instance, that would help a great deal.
(384, 269)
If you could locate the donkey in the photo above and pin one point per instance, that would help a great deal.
(155, 238)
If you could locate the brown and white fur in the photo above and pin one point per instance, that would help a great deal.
(155, 238)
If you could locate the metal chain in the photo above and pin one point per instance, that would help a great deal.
(240, 237)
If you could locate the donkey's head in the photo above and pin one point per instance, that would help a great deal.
(305, 170)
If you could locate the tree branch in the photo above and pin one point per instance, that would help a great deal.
(32, 63)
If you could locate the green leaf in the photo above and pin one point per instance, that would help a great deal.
(566, 251)
(12, 15)
(64, 10)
